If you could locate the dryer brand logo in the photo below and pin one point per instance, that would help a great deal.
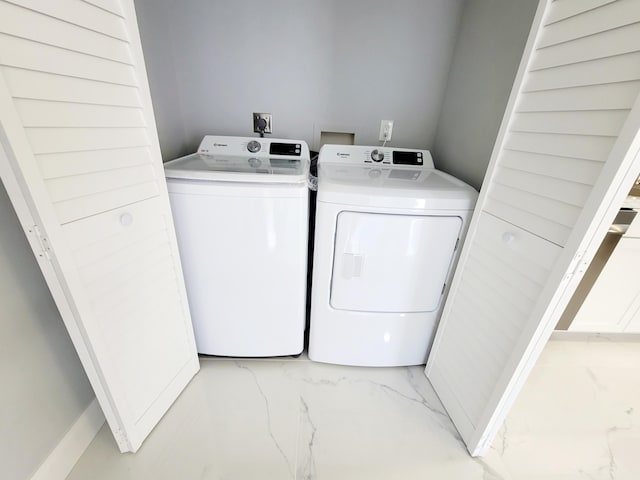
(220, 145)
(343, 155)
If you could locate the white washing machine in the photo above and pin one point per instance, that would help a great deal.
(388, 233)
(240, 206)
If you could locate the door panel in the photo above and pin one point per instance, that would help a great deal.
(391, 263)
(93, 201)
(554, 184)
(502, 279)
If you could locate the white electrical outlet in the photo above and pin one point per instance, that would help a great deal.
(386, 128)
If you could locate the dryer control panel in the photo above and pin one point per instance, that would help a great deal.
(358, 155)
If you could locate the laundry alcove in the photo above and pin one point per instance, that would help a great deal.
(78, 123)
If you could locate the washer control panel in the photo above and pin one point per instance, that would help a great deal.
(258, 147)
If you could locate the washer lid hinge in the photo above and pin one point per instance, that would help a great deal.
(443, 289)
(456, 247)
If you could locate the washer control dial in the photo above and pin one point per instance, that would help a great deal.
(254, 146)
(377, 155)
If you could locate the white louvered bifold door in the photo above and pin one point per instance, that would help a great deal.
(83, 163)
(563, 161)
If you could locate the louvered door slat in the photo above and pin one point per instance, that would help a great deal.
(60, 140)
(572, 169)
(60, 88)
(611, 96)
(604, 123)
(561, 145)
(68, 164)
(621, 68)
(39, 113)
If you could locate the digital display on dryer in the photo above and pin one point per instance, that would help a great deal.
(407, 158)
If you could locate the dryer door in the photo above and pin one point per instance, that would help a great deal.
(391, 263)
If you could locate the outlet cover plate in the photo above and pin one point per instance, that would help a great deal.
(386, 130)
(264, 116)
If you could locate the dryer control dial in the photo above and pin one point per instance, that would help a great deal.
(377, 155)
(254, 146)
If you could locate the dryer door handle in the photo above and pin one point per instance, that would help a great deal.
(351, 265)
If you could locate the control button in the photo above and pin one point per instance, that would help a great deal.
(375, 173)
(255, 162)
(377, 155)
(254, 146)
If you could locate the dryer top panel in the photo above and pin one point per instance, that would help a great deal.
(392, 187)
(347, 176)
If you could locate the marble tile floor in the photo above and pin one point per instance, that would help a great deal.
(295, 419)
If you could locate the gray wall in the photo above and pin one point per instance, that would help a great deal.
(44, 388)
(492, 37)
(154, 25)
(313, 64)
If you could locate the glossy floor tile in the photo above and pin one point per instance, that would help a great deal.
(295, 419)
(578, 416)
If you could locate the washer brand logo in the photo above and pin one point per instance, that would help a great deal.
(220, 145)
(343, 155)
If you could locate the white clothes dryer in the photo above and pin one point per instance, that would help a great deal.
(388, 232)
(240, 207)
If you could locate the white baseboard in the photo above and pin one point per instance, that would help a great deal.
(64, 456)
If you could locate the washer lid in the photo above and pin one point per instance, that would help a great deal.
(393, 187)
(238, 168)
